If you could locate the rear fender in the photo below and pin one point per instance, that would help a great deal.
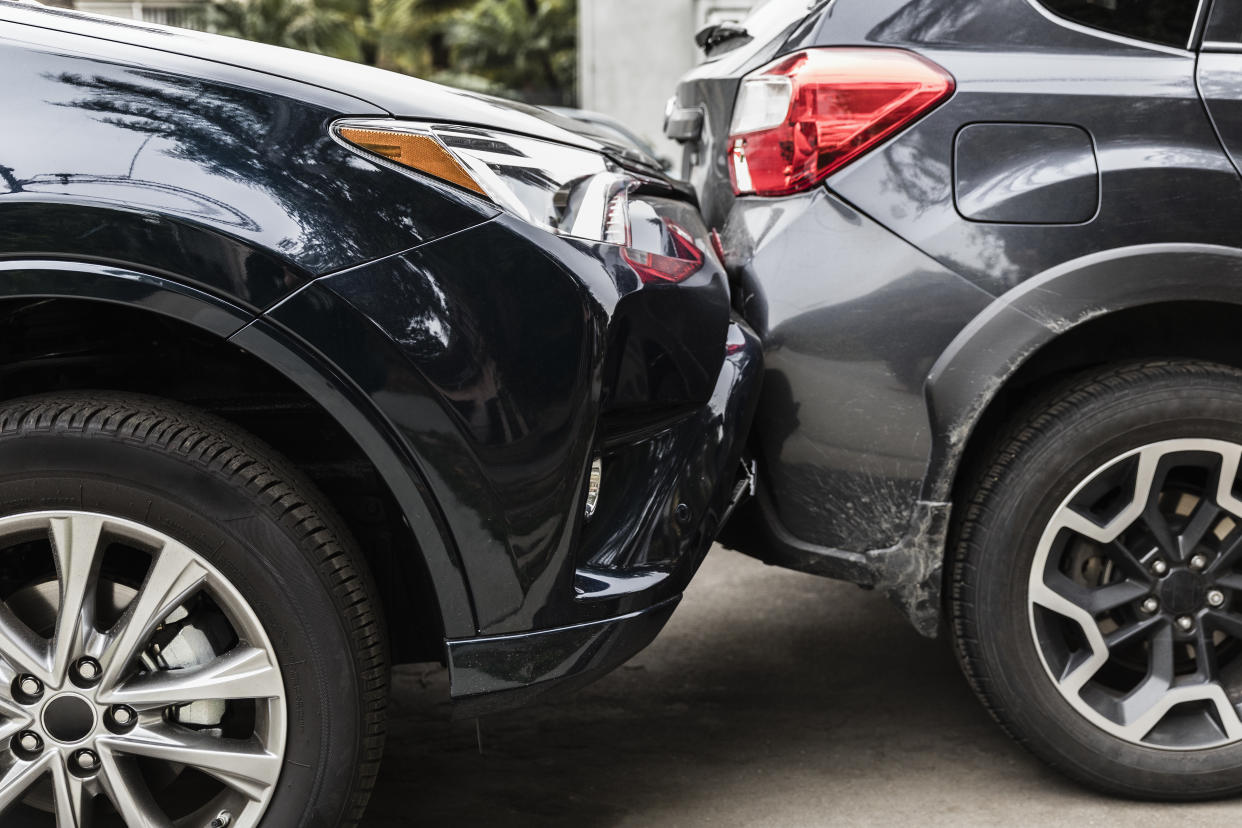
(990, 350)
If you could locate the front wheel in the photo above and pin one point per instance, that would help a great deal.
(185, 635)
(1097, 581)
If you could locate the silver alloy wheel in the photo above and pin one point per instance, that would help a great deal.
(84, 675)
(1135, 596)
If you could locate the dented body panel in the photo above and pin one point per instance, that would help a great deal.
(1073, 174)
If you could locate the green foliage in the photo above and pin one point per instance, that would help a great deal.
(290, 23)
(518, 48)
(528, 47)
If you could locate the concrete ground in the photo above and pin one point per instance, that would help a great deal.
(772, 698)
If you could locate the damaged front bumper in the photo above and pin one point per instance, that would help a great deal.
(635, 561)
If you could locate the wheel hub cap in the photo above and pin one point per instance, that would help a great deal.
(68, 718)
(1183, 592)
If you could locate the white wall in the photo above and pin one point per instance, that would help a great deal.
(631, 53)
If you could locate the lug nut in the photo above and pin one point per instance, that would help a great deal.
(1160, 568)
(1150, 605)
(1198, 563)
(88, 670)
(1185, 623)
(29, 742)
(86, 760)
(121, 719)
(1215, 597)
(30, 687)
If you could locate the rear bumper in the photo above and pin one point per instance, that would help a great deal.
(843, 434)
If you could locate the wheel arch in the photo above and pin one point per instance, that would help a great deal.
(1148, 301)
(264, 351)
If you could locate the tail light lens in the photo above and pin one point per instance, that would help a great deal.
(808, 114)
(652, 268)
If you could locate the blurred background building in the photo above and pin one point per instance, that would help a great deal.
(189, 14)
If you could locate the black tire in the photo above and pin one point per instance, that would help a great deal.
(265, 528)
(1035, 466)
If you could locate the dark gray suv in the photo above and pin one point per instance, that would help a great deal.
(994, 252)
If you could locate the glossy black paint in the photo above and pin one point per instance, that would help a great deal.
(334, 360)
(153, 159)
(1061, 147)
(62, 279)
(478, 362)
(503, 410)
(495, 673)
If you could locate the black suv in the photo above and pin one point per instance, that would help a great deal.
(994, 253)
(306, 369)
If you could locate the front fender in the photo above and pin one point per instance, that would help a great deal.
(52, 279)
(281, 351)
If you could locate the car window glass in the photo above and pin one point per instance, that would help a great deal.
(1160, 21)
(769, 18)
(1225, 24)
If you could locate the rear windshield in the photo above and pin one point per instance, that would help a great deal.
(770, 17)
(768, 20)
(1160, 21)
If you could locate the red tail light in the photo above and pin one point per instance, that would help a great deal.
(808, 114)
(653, 268)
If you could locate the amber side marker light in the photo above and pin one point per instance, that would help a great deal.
(418, 152)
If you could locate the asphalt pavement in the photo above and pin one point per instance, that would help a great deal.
(771, 699)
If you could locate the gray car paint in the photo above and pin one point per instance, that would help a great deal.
(892, 317)
(1025, 174)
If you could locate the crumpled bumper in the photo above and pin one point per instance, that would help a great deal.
(664, 498)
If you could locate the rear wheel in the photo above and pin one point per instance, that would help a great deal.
(1097, 584)
(185, 635)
